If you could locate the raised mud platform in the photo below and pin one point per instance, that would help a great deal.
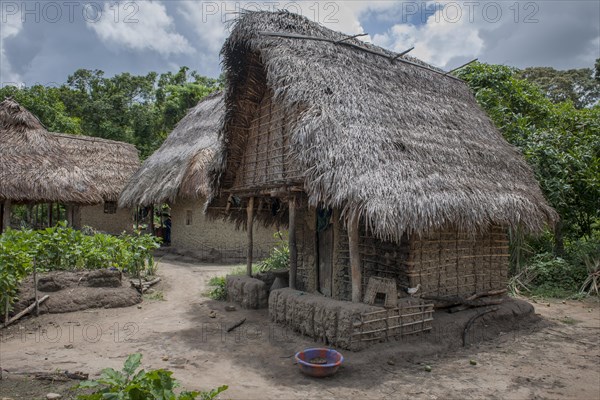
(336, 323)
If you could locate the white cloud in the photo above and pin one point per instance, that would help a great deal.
(558, 34)
(209, 20)
(148, 28)
(11, 26)
(435, 42)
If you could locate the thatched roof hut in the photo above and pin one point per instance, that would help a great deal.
(177, 170)
(366, 131)
(32, 163)
(108, 163)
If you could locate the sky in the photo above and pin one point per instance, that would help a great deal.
(42, 42)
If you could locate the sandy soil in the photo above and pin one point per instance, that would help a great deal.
(558, 358)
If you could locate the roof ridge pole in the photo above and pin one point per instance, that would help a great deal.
(461, 66)
(353, 242)
(401, 54)
(351, 37)
(250, 213)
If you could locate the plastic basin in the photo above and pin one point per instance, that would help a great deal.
(330, 362)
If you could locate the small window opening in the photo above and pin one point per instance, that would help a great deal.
(110, 207)
(380, 299)
(188, 217)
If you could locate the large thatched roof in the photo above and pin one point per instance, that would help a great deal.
(108, 163)
(396, 141)
(32, 164)
(177, 169)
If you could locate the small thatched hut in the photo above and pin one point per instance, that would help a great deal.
(84, 173)
(109, 164)
(382, 165)
(33, 168)
(176, 175)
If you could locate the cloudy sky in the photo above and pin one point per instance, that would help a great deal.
(45, 41)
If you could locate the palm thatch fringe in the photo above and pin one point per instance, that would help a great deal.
(407, 149)
(109, 163)
(178, 168)
(32, 163)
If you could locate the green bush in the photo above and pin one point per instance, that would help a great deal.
(218, 288)
(128, 384)
(279, 256)
(63, 248)
(554, 274)
(549, 276)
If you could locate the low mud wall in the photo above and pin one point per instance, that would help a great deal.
(330, 321)
(249, 293)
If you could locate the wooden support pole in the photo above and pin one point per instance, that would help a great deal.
(69, 216)
(29, 214)
(292, 243)
(76, 217)
(250, 214)
(353, 240)
(49, 210)
(6, 215)
(151, 222)
(35, 289)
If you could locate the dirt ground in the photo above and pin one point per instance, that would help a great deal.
(556, 358)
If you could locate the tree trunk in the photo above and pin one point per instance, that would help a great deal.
(559, 244)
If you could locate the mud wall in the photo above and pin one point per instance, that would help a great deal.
(214, 240)
(249, 293)
(115, 224)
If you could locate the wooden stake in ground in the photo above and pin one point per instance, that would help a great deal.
(35, 289)
(25, 311)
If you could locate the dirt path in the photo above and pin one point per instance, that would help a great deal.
(556, 359)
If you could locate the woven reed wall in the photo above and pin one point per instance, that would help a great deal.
(444, 263)
(378, 258)
(457, 264)
(267, 160)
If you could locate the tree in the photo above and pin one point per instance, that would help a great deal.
(581, 86)
(45, 103)
(560, 141)
(141, 110)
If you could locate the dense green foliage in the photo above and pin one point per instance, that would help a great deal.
(278, 257)
(217, 288)
(128, 384)
(554, 119)
(140, 110)
(580, 86)
(62, 248)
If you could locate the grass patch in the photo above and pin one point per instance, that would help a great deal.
(217, 288)
(569, 321)
(157, 295)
